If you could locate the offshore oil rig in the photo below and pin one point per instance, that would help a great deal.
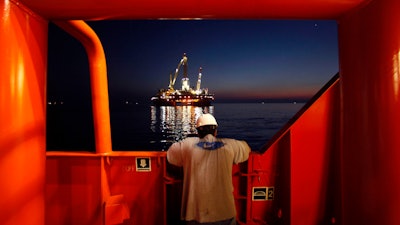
(186, 95)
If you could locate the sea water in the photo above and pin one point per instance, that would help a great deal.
(142, 127)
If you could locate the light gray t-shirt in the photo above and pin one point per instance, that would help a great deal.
(207, 184)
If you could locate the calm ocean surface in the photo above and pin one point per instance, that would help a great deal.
(144, 127)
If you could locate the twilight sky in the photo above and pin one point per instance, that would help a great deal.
(241, 59)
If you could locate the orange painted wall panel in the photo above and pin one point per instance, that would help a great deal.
(302, 164)
(76, 192)
(143, 190)
(73, 190)
(23, 64)
(369, 63)
(315, 154)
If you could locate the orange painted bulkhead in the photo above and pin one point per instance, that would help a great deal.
(301, 163)
(336, 162)
(369, 51)
(23, 64)
(87, 188)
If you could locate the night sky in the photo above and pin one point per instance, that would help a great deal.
(241, 59)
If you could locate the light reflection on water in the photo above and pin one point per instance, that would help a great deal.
(149, 128)
(174, 123)
(254, 123)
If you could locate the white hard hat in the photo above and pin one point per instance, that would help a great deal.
(206, 119)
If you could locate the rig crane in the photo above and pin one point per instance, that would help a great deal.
(198, 81)
(185, 96)
(183, 63)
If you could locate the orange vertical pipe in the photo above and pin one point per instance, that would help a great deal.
(98, 80)
(23, 44)
(369, 43)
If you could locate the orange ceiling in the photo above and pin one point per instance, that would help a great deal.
(217, 9)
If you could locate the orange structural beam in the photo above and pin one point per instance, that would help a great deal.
(151, 9)
(98, 80)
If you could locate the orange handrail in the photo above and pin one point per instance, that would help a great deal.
(98, 80)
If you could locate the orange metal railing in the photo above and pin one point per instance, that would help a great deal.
(98, 81)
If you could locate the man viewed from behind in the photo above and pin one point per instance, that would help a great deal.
(207, 161)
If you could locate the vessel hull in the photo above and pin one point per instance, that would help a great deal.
(184, 100)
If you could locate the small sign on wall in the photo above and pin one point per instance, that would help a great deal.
(143, 164)
(263, 193)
